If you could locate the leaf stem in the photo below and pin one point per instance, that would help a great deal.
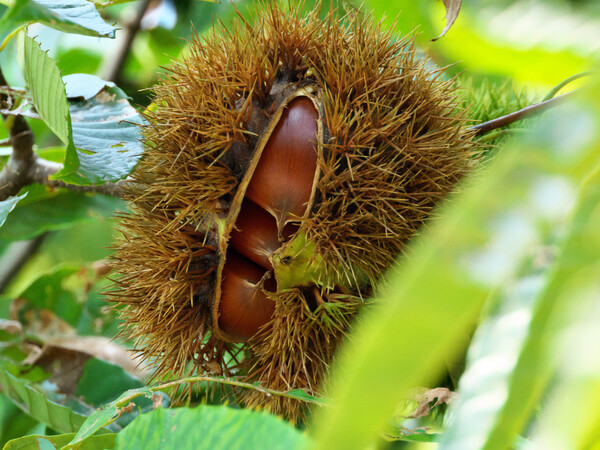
(563, 83)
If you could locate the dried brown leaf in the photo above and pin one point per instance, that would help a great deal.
(105, 349)
(11, 326)
(65, 366)
(452, 10)
(440, 395)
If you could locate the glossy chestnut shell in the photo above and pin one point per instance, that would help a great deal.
(276, 194)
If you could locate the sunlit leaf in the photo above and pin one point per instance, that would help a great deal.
(106, 130)
(99, 120)
(49, 96)
(214, 427)
(71, 16)
(579, 253)
(571, 415)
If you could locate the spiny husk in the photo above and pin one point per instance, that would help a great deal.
(394, 145)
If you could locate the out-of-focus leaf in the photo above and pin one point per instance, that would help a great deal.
(71, 16)
(535, 368)
(406, 16)
(102, 382)
(35, 404)
(49, 292)
(7, 206)
(510, 362)
(39, 442)
(570, 416)
(529, 42)
(214, 427)
(498, 226)
(10, 330)
(162, 15)
(452, 10)
(492, 358)
(560, 86)
(105, 129)
(61, 211)
(302, 395)
(78, 60)
(64, 365)
(49, 97)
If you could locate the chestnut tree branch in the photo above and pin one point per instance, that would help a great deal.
(114, 65)
(15, 174)
(508, 119)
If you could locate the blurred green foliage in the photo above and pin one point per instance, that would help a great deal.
(512, 259)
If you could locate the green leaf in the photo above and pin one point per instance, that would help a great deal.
(106, 414)
(498, 226)
(49, 97)
(535, 368)
(214, 427)
(7, 206)
(71, 16)
(58, 212)
(102, 382)
(105, 127)
(571, 416)
(302, 395)
(35, 404)
(48, 292)
(36, 442)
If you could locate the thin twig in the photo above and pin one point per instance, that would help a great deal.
(114, 65)
(15, 257)
(503, 121)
